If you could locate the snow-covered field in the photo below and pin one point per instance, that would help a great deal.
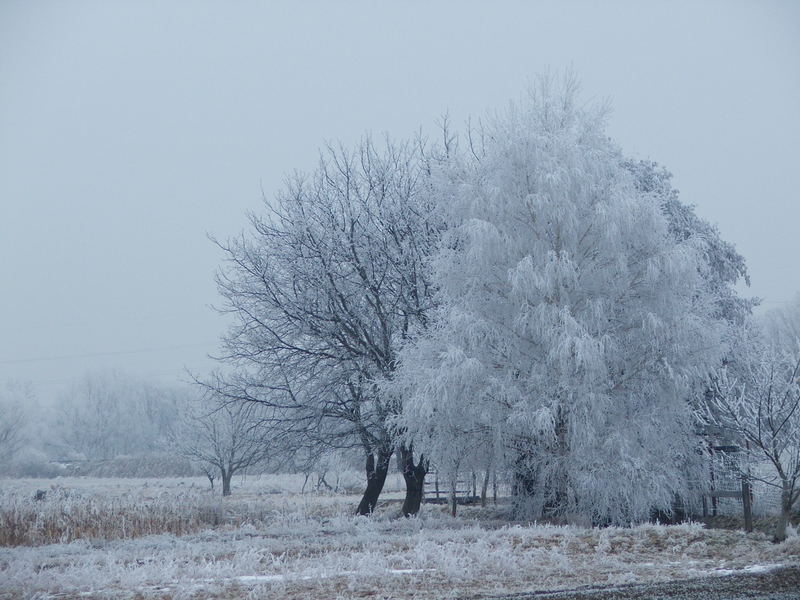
(268, 540)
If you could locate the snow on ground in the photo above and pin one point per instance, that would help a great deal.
(310, 546)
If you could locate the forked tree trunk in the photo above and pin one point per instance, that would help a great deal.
(414, 475)
(226, 482)
(786, 511)
(377, 467)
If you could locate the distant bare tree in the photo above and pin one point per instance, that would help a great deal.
(221, 437)
(12, 435)
(16, 404)
(782, 325)
(108, 414)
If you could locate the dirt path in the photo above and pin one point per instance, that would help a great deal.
(779, 584)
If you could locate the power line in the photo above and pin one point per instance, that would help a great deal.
(131, 318)
(98, 354)
(42, 383)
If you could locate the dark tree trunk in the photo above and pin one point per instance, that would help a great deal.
(525, 482)
(414, 475)
(377, 467)
(226, 482)
(485, 487)
(562, 502)
(786, 512)
(453, 498)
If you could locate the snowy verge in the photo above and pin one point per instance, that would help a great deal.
(300, 556)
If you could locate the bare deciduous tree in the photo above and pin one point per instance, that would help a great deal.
(324, 289)
(108, 414)
(757, 399)
(12, 434)
(221, 437)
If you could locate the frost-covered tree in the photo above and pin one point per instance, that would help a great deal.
(323, 288)
(108, 414)
(721, 267)
(572, 324)
(221, 437)
(756, 399)
(14, 400)
(782, 325)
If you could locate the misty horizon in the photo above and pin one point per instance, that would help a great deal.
(129, 132)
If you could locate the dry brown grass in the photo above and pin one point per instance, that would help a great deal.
(126, 509)
(62, 517)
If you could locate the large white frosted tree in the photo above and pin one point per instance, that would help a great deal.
(571, 326)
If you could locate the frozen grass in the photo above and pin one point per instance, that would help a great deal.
(308, 546)
(107, 509)
(64, 517)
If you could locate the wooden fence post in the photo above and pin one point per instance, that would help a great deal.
(747, 504)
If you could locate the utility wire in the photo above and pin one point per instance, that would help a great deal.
(97, 354)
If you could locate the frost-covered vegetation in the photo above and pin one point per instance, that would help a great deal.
(270, 540)
(113, 508)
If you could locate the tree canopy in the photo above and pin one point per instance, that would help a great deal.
(574, 319)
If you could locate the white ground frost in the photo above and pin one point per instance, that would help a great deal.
(311, 547)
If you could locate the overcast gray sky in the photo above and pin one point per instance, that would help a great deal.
(130, 129)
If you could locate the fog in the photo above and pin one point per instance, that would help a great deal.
(130, 131)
